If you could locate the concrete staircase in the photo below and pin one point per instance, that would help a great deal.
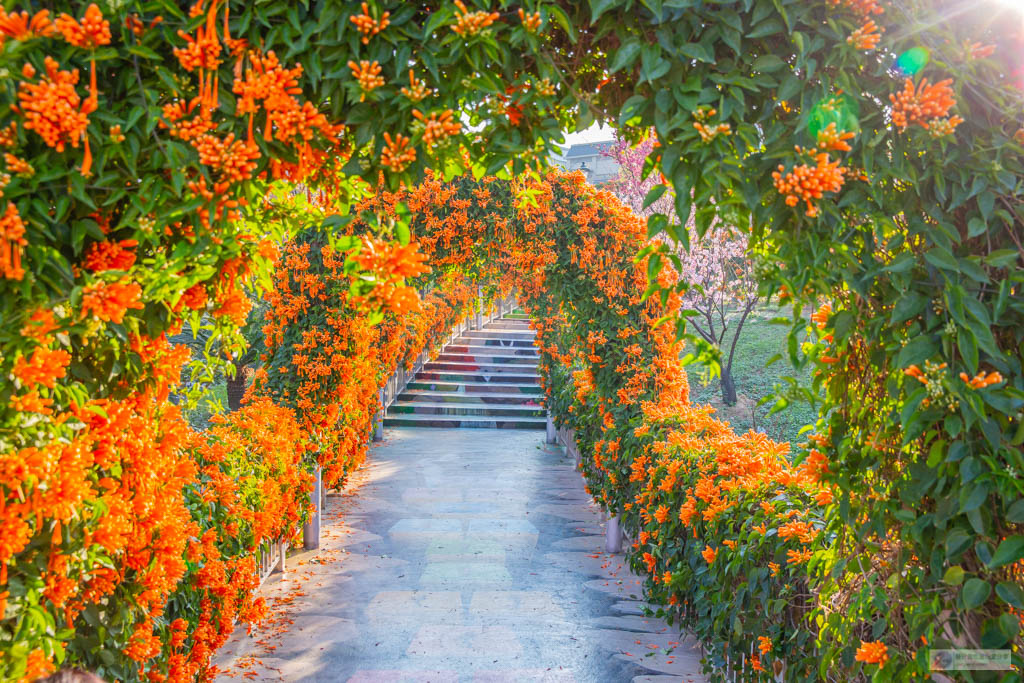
(484, 378)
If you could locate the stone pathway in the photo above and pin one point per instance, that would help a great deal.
(460, 556)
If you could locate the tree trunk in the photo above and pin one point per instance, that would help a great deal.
(236, 388)
(728, 387)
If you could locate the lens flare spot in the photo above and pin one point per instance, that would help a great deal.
(912, 61)
(842, 110)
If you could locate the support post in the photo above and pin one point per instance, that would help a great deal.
(282, 554)
(311, 530)
(480, 308)
(552, 437)
(612, 535)
(378, 423)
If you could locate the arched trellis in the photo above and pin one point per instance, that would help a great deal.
(684, 483)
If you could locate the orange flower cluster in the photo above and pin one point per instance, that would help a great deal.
(531, 22)
(367, 74)
(417, 89)
(925, 105)
(109, 255)
(829, 138)
(110, 301)
(808, 183)
(866, 37)
(388, 265)
(397, 155)
(709, 133)
(369, 26)
(89, 33)
(12, 240)
(982, 379)
(438, 127)
(872, 652)
(53, 109)
(864, 8)
(22, 27)
(470, 23)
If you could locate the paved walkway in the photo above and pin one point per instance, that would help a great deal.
(460, 556)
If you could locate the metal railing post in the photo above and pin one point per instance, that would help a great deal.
(311, 530)
(378, 424)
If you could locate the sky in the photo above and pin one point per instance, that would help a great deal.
(593, 134)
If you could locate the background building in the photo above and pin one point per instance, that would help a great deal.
(588, 157)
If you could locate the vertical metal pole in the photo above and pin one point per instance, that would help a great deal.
(479, 307)
(378, 424)
(311, 530)
(612, 535)
(551, 437)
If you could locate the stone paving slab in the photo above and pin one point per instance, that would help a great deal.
(460, 556)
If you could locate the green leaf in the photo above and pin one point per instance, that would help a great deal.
(975, 592)
(1011, 594)
(625, 55)
(599, 7)
(1015, 514)
(1009, 551)
(954, 576)
(768, 64)
(697, 51)
(654, 194)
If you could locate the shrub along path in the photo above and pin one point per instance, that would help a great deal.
(463, 555)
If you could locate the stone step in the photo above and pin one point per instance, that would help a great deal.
(421, 407)
(429, 396)
(480, 368)
(494, 342)
(457, 377)
(465, 422)
(485, 388)
(500, 334)
(486, 359)
(491, 350)
(515, 325)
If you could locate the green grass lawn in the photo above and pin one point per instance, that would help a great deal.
(759, 342)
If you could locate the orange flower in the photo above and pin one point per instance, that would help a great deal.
(866, 37)
(764, 644)
(44, 367)
(110, 301)
(367, 74)
(54, 110)
(808, 183)
(92, 32)
(19, 166)
(397, 155)
(369, 26)
(438, 128)
(470, 23)
(21, 27)
(797, 556)
(417, 89)
(922, 105)
(874, 652)
(661, 514)
(651, 561)
(982, 379)
(709, 554)
(531, 22)
(12, 239)
(110, 256)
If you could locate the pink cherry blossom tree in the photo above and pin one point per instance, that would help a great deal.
(724, 290)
